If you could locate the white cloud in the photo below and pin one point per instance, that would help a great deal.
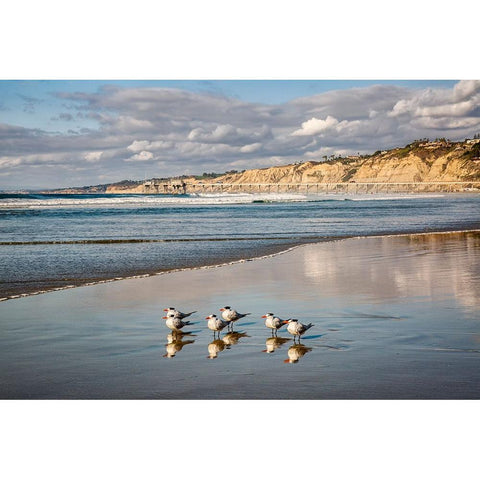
(465, 89)
(138, 145)
(315, 126)
(252, 147)
(143, 156)
(461, 101)
(93, 156)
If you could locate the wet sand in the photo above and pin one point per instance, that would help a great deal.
(394, 318)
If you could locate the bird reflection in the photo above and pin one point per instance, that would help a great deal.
(232, 338)
(215, 347)
(175, 343)
(295, 352)
(273, 343)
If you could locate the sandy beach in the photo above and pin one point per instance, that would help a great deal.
(395, 317)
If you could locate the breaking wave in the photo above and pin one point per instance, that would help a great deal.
(30, 201)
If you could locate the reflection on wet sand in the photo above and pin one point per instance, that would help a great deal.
(215, 347)
(219, 344)
(273, 343)
(232, 338)
(409, 268)
(295, 352)
(175, 343)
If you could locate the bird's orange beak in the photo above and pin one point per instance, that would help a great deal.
(222, 309)
(285, 321)
(165, 309)
(164, 318)
(207, 318)
(264, 316)
(287, 360)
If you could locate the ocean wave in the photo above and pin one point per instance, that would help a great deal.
(108, 241)
(28, 201)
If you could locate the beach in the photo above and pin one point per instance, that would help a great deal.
(395, 317)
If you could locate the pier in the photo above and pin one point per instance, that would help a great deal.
(330, 187)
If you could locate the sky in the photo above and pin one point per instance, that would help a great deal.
(60, 133)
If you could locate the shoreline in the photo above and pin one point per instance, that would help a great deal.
(234, 262)
(394, 317)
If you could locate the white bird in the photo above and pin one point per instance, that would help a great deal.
(273, 322)
(175, 323)
(216, 324)
(177, 313)
(296, 328)
(231, 315)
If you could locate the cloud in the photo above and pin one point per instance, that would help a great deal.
(315, 126)
(143, 156)
(252, 147)
(465, 89)
(138, 145)
(228, 134)
(29, 103)
(93, 156)
(462, 100)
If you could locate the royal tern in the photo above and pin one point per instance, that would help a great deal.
(175, 323)
(273, 322)
(216, 324)
(177, 313)
(297, 328)
(231, 315)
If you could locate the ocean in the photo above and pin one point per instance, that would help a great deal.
(52, 241)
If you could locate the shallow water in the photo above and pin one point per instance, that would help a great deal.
(54, 241)
(394, 317)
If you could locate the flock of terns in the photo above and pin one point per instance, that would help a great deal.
(175, 320)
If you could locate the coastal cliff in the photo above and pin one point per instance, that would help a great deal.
(431, 161)
(420, 161)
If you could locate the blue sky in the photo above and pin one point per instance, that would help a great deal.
(33, 104)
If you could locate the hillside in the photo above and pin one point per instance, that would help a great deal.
(417, 162)
(420, 161)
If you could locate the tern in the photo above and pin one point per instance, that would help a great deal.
(297, 328)
(231, 315)
(177, 313)
(273, 322)
(175, 323)
(216, 324)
